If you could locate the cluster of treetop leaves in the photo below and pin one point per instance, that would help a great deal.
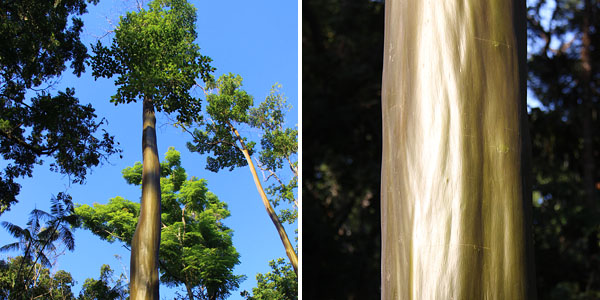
(154, 55)
(196, 249)
(36, 46)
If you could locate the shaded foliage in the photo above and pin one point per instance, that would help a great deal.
(563, 75)
(196, 248)
(34, 124)
(342, 60)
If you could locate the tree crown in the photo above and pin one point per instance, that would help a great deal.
(154, 55)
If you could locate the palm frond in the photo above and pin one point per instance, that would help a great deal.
(11, 247)
(14, 230)
(38, 214)
(67, 238)
(44, 261)
(56, 209)
(48, 234)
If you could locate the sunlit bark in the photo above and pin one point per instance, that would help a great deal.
(455, 193)
(289, 249)
(144, 247)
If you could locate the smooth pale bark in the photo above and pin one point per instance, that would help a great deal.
(146, 240)
(289, 249)
(455, 193)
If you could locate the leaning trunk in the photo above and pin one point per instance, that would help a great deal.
(289, 249)
(455, 193)
(146, 240)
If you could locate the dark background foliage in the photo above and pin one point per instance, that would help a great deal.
(342, 60)
(38, 44)
(342, 46)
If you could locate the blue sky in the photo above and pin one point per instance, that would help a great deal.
(256, 39)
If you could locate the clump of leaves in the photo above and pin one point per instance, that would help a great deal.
(154, 55)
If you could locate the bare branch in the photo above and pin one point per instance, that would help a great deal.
(294, 169)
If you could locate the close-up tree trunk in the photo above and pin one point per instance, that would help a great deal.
(146, 240)
(456, 199)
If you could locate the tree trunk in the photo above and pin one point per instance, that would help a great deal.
(144, 247)
(188, 288)
(289, 249)
(456, 201)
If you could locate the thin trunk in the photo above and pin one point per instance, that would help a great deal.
(146, 240)
(289, 249)
(455, 188)
(587, 108)
(189, 290)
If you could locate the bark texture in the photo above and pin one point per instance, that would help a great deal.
(146, 240)
(455, 187)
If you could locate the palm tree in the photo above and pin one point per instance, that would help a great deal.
(36, 241)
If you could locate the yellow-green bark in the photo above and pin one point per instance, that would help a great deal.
(455, 198)
(289, 249)
(146, 240)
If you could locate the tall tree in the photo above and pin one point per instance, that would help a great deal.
(228, 109)
(455, 192)
(563, 76)
(196, 249)
(37, 45)
(154, 55)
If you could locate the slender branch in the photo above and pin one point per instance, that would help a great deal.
(47, 293)
(263, 169)
(541, 32)
(205, 91)
(209, 143)
(294, 169)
